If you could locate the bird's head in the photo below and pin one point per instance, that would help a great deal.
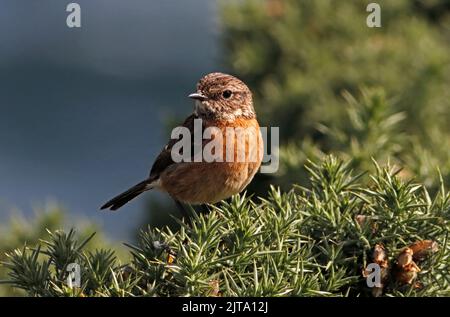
(222, 96)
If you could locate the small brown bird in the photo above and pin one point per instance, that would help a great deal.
(224, 104)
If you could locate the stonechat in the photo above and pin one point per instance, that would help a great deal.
(223, 107)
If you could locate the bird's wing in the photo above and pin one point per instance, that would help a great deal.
(164, 158)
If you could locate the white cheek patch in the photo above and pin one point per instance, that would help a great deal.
(233, 115)
(199, 107)
(237, 112)
(204, 107)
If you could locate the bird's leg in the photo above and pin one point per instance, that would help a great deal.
(183, 210)
(204, 209)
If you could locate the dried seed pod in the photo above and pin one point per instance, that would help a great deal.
(422, 249)
(361, 219)
(404, 277)
(405, 257)
(215, 288)
(379, 255)
(406, 269)
(407, 274)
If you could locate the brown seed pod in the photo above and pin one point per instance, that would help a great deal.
(422, 249)
(362, 220)
(406, 269)
(215, 288)
(379, 256)
(405, 277)
(406, 274)
(405, 258)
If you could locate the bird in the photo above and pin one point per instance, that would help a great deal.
(223, 104)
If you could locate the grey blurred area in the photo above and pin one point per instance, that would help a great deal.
(83, 112)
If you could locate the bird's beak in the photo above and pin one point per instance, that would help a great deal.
(198, 96)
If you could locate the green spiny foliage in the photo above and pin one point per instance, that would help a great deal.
(309, 241)
(41, 230)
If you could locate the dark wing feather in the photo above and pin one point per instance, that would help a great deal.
(164, 158)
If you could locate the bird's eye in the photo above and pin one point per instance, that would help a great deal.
(227, 94)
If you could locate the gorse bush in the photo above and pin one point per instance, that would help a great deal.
(309, 241)
(19, 231)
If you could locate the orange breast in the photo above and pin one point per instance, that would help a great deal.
(237, 150)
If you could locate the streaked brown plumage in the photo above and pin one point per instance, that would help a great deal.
(221, 101)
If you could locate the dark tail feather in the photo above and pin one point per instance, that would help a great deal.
(125, 197)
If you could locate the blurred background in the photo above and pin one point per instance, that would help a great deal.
(84, 111)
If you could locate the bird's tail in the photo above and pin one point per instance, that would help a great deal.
(128, 195)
